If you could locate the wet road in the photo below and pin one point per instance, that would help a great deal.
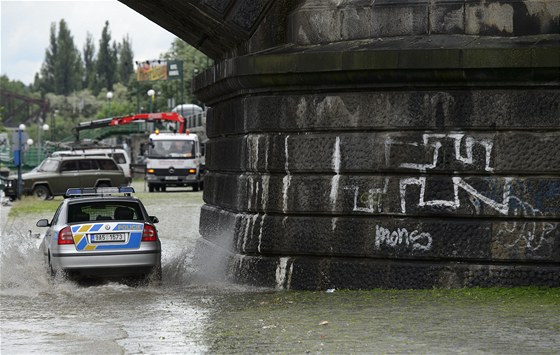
(185, 315)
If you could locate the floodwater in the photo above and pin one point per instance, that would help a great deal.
(188, 315)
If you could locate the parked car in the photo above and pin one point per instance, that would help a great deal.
(55, 175)
(96, 233)
(119, 155)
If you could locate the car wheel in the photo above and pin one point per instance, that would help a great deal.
(103, 184)
(41, 192)
(163, 188)
(195, 187)
(52, 271)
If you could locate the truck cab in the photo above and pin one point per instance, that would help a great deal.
(174, 159)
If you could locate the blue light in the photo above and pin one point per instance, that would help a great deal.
(99, 191)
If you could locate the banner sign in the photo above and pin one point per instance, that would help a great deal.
(157, 70)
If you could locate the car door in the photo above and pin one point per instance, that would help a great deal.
(68, 177)
(46, 243)
(111, 171)
(89, 172)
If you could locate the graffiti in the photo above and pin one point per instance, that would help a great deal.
(434, 143)
(370, 201)
(458, 183)
(401, 237)
(527, 234)
(464, 153)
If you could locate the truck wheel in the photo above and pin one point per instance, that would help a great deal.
(41, 192)
(163, 188)
(195, 187)
(151, 188)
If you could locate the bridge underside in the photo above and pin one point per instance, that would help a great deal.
(392, 144)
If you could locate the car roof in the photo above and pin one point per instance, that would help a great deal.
(80, 157)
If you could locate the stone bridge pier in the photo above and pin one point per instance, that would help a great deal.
(364, 144)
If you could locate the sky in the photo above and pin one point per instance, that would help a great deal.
(25, 31)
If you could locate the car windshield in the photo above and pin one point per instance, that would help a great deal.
(104, 211)
(49, 165)
(172, 148)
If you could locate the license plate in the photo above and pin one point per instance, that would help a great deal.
(107, 237)
(171, 178)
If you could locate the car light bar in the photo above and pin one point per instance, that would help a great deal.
(98, 191)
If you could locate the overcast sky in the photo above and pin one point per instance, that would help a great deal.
(25, 31)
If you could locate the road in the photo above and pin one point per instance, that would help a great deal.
(202, 315)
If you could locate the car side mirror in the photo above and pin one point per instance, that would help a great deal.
(154, 219)
(43, 223)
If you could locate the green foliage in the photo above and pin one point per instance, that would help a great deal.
(89, 63)
(106, 61)
(76, 83)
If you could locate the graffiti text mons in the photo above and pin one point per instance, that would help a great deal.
(402, 238)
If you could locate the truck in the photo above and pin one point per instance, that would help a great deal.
(171, 158)
(174, 159)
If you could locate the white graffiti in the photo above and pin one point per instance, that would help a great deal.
(434, 142)
(458, 183)
(372, 200)
(401, 237)
(464, 152)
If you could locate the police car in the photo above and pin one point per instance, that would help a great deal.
(97, 233)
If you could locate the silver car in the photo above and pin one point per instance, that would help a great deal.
(95, 233)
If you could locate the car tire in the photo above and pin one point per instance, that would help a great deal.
(195, 187)
(103, 184)
(53, 273)
(41, 192)
(163, 188)
(150, 188)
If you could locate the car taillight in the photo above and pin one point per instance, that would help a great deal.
(149, 233)
(65, 236)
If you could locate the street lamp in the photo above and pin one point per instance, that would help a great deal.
(19, 161)
(152, 94)
(109, 98)
(45, 128)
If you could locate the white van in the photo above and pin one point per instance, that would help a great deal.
(119, 155)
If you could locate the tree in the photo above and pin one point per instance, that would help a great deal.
(68, 63)
(106, 61)
(46, 78)
(125, 60)
(89, 63)
(62, 69)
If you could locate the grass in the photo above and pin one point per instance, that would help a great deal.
(32, 205)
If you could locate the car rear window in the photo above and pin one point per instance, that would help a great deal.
(104, 211)
(107, 164)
